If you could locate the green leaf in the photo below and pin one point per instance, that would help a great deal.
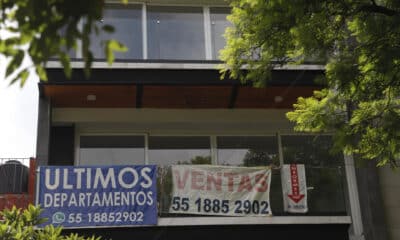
(23, 77)
(41, 72)
(108, 28)
(116, 46)
(111, 46)
(88, 62)
(66, 63)
(15, 62)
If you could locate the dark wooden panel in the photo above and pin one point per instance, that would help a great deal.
(186, 96)
(106, 96)
(174, 96)
(62, 145)
(270, 97)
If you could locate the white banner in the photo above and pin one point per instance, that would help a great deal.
(294, 188)
(220, 190)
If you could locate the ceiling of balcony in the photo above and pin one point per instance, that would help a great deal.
(173, 96)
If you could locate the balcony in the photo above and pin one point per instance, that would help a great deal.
(17, 182)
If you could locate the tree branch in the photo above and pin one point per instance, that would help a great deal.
(374, 8)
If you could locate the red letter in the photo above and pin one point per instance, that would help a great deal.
(197, 178)
(230, 176)
(217, 181)
(245, 183)
(261, 180)
(181, 182)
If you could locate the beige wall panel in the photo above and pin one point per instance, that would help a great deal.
(388, 177)
(391, 196)
(394, 234)
(390, 186)
(163, 121)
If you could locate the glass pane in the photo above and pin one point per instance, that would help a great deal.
(72, 51)
(324, 172)
(175, 33)
(111, 150)
(218, 25)
(310, 150)
(247, 151)
(326, 188)
(128, 30)
(165, 151)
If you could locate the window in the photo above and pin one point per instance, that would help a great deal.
(175, 33)
(218, 25)
(165, 151)
(127, 23)
(111, 150)
(247, 151)
(171, 32)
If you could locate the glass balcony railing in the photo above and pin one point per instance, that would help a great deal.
(324, 171)
(325, 192)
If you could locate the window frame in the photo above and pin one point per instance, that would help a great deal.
(212, 137)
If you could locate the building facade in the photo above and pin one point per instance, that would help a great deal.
(163, 103)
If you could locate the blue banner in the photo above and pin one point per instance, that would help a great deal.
(98, 195)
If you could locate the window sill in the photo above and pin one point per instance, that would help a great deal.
(275, 220)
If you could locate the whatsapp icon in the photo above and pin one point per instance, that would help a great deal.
(58, 217)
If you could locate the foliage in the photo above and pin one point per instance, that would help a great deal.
(22, 225)
(259, 157)
(197, 160)
(41, 29)
(358, 41)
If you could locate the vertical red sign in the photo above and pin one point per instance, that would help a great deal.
(294, 179)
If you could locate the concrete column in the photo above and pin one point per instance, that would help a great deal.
(373, 218)
(43, 132)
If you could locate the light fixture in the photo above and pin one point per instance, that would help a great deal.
(91, 97)
(278, 99)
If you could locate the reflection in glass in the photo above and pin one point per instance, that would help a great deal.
(175, 33)
(310, 150)
(165, 151)
(218, 25)
(127, 23)
(247, 151)
(111, 150)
